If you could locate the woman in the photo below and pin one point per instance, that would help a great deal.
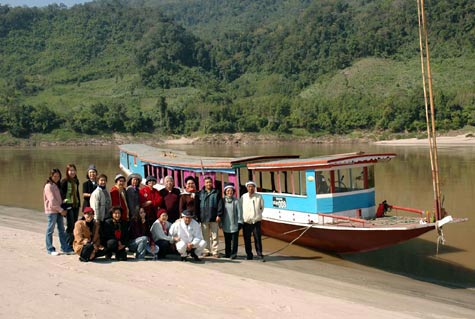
(87, 243)
(160, 234)
(118, 197)
(140, 237)
(71, 200)
(89, 185)
(115, 235)
(101, 199)
(132, 194)
(232, 217)
(188, 198)
(54, 212)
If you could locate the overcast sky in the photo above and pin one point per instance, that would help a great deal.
(40, 3)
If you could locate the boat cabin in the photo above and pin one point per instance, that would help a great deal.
(306, 190)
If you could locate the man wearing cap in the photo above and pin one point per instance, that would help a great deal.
(252, 207)
(118, 196)
(87, 243)
(190, 238)
(150, 199)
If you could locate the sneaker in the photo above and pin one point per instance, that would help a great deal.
(69, 252)
(183, 258)
(53, 253)
(233, 256)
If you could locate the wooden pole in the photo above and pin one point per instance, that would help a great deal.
(431, 132)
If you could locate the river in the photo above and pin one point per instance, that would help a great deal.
(404, 181)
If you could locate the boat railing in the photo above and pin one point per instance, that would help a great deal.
(345, 218)
(407, 209)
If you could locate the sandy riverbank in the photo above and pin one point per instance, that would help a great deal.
(37, 285)
(459, 140)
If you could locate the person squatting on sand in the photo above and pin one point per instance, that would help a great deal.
(87, 241)
(161, 234)
(115, 235)
(55, 212)
(190, 238)
(140, 238)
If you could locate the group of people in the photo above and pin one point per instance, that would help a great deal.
(147, 220)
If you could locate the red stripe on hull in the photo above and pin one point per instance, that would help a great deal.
(342, 241)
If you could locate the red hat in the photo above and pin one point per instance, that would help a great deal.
(161, 211)
(88, 210)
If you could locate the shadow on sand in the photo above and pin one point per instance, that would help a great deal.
(417, 259)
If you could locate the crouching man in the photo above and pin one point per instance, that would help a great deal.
(190, 237)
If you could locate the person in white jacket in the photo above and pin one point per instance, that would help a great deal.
(252, 205)
(190, 237)
(100, 200)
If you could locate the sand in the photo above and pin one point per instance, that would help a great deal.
(459, 140)
(36, 285)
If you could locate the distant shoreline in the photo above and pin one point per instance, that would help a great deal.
(467, 139)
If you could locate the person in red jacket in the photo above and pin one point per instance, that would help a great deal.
(118, 196)
(150, 199)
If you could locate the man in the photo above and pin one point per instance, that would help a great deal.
(150, 199)
(190, 240)
(210, 211)
(252, 208)
(171, 198)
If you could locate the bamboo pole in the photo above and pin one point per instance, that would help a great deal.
(430, 120)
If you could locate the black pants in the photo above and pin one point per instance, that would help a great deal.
(164, 248)
(255, 230)
(87, 251)
(231, 243)
(112, 246)
(71, 219)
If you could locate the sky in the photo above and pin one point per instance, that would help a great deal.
(40, 3)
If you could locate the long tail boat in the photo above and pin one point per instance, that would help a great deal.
(327, 203)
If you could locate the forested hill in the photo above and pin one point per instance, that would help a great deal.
(184, 66)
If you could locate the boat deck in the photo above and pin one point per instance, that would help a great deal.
(387, 221)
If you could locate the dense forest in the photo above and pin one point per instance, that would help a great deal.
(302, 67)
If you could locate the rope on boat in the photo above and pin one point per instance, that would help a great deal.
(440, 238)
(293, 241)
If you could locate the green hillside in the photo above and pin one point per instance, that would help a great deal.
(274, 66)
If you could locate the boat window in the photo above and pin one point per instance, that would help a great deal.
(322, 179)
(285, 182)
(353, 179)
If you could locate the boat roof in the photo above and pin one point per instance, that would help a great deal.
(174, 158)
(323, 162)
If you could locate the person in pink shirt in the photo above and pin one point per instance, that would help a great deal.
(55, 212)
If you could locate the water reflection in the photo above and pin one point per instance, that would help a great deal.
(404, 181)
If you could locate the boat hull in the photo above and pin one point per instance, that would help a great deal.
(342, 240)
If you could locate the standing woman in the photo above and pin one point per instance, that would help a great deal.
(118, 196)
(71, 199)
(132, 194)
(232, 217)
(89, 185)
(54, 212)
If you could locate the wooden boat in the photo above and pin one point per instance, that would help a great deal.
(327, 203)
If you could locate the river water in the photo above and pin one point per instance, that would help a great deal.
(404, 181)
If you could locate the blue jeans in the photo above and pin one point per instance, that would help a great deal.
(139, 246)
(56, 219)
